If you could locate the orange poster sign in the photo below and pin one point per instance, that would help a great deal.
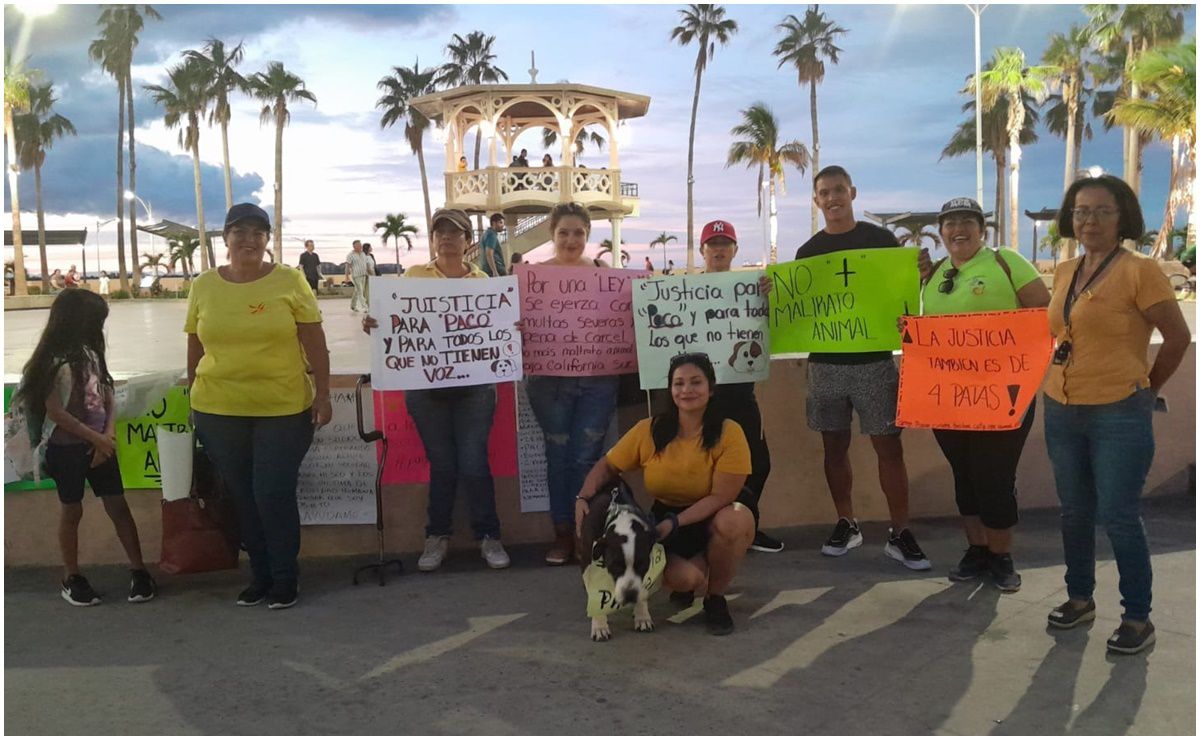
(972, 370)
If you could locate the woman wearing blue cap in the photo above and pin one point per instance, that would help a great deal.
(254, 334)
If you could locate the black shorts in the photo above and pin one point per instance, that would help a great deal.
(691, 540)
(71, 465)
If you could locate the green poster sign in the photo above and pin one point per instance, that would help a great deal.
(845, 301)
(21, 485)
(137, 448)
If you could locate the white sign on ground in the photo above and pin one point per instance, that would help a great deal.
(337, 477)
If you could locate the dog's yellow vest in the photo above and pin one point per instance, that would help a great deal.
(599, 583)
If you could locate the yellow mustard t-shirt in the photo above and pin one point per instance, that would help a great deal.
(253, 364)
(682, 473)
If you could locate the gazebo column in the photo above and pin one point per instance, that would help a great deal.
(616, 240)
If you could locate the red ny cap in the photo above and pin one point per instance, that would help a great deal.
(718, 228)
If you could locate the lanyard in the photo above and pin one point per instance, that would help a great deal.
(1070, 299)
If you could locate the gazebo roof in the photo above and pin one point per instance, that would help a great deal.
(629, 105)
(910, 219)
(1046, 214)
(168, 229)
(54, 237)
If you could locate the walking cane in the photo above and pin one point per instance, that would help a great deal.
(374, 436)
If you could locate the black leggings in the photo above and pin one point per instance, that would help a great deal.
(985, 470)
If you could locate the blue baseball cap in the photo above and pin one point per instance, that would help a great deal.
(247, 212)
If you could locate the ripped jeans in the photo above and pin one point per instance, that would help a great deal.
(574, 414)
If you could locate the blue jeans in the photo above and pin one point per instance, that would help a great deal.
(454, 424)
(574, 414)
(1101, 455)
(258, 458)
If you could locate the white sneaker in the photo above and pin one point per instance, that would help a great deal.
(434, 554)
(493, 552)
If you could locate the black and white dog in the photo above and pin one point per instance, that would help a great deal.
(618, 534)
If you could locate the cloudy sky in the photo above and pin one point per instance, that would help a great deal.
(886, 111)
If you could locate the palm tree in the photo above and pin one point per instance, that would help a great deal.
(662, 239)
(154, 262)
(471, 63)
(399, 89)
(706, 25)
(220, 65)
(180, 251)
(185, 101)
(606, 247)
(1168, 75)
(1067, 54)
(1010, 78)
(394, 227)
(917, 234)
(806, 45)
(16, 99)
(36, 132)
(582, 138)
(276, 87)
(761, 147)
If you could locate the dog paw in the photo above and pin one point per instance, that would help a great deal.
(602, 634)
(643, 625)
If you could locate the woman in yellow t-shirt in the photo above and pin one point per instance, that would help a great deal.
(1100, 396)
(254, 332)
(695, 464)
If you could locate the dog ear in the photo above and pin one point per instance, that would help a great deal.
(755, 349)
(733, 357)
(598, 548)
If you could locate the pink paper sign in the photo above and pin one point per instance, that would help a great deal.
(406, 460)
(578, 320)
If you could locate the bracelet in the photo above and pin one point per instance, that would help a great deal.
(582, 498)
(674, 520)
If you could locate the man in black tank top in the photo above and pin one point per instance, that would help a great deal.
(865, 382)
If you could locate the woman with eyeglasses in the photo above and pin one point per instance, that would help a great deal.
(1100, 396)
(694, 463)
(258, 369)
(974, 278)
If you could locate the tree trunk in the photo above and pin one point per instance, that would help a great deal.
(228, 175)
(41, 223)
(133, 247)
(279, 113)
(204, 254)
(19, 285)
(1162, 242)
(122, 268)
(691, 239)
(1128, 162)
(1014, 212)
(428, 213)
(478, 217)
(774, 221)
(816, 159)
(998, 214)
(1072, 95)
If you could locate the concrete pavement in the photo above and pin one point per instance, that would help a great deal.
(854, 645)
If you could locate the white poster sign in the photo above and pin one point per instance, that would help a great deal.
(531, 457)
(337, 477)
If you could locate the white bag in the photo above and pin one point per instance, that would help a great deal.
(175, 454)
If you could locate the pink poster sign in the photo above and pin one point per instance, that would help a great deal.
(406, 461)
(578, 321)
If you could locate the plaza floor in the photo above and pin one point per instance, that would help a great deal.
(852, 645)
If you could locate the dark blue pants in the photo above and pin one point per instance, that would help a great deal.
(259, 459)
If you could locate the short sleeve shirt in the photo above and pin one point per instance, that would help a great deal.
(682, 473)
(980, 284)
(862, 236)
(253, 364)
(358, 264)
(491, 243)
(1109, 335)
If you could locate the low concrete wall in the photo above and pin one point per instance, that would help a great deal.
(796, 493)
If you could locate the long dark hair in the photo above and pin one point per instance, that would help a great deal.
(74, 335)
(665, 426)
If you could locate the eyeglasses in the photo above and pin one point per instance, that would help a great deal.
(1101, 214)
(947, 285)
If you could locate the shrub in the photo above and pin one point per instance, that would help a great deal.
(118, 294)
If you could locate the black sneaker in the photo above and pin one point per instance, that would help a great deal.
(1067, 616)
(974, 563)
(142, 586)
(846, 536)
(282, 597)
(76, 591)
(682, 599)
(716, 615)
(764, 542)
(1003, 573)
(1128, 639)
(253, 594)
(903, 547)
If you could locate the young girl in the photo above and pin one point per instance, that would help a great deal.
(66, 385)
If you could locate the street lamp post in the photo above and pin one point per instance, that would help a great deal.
(132, 196)
(99, 223)
(977, 10)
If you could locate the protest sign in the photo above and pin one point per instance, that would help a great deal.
(845, 301)
(720, 314)
(12, 481)
(137, 446)
(337, 478)
(972, 371)
(578, 321)
(406, 461)
(531, 457)
(444, 333)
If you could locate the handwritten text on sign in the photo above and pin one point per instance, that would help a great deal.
(137, 445)
(844, 301)
(720, 314)
(578, 320)
(406, 461)
(972, 371)
(337, 478)
(444, 333)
